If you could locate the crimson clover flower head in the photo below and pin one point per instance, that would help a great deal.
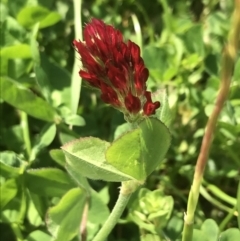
(116, 68)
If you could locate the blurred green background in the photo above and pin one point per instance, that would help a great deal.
(181, 43)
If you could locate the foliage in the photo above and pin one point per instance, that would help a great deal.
(181, 44)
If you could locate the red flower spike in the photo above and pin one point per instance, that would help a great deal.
(116, 68)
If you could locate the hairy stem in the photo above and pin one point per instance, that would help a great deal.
(228, 61)
(126, 191)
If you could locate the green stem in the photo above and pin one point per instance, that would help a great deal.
(215, 202)
(17, 231)
(220, 194)
(228, 61)
(238, 204)
(227, 219)
(126, 191)
(76, 80)
(25, 128)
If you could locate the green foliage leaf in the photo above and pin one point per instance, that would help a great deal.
(157, 68)
(30, 15)
(87, 157)
(64, 219)
(163, 113)
(34, 45)
(8, 191)
(193, 39)
(16, 51)
(15, 210)
(210, 229)
(57, 80)
(33, 215)
(97, 206)
(38, 235)
(174, 227)
(150, 237)
(58, 156)
(75, 120)
(23, 99)
(9, 164)
(43, 82)
(138, 152)
(151, 210)
(122, 129)
(198, 235)
(48, 182)
(51, 19)
(231, 234)
(77, 175)
(3, 11)
(45, 138)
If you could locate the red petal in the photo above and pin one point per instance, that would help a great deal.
(135, 52)
(149, 107)
(132, 103)
(109, 95)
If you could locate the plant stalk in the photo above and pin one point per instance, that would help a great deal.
(25, 129)
(17, 231)
(126, 191)
(76, 81)
(228, 61)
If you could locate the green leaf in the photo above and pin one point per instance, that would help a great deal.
(3, 11)
(8, 191)
(16, 51)
(74, 120)
(210, 229)
(174, 227)
(58, 156)
(163, 113)
(51, 19)
(58, 79)
(150, 237)
(63, 220)
(9, 164)
(45, 138)
(87, 157)
(193, 39)
(23, 99)
(38, 235)
(33, 216)
(122, 129)
(48, 182)
(15, 210)
(157, 68)
(78, 177)
(41, 75)
(12, 32)
(43, 82)
(151, 210)
(97, 206)
(231, 234)
(198, 235)
(34, 45)
(30, 15)
(138, 152)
